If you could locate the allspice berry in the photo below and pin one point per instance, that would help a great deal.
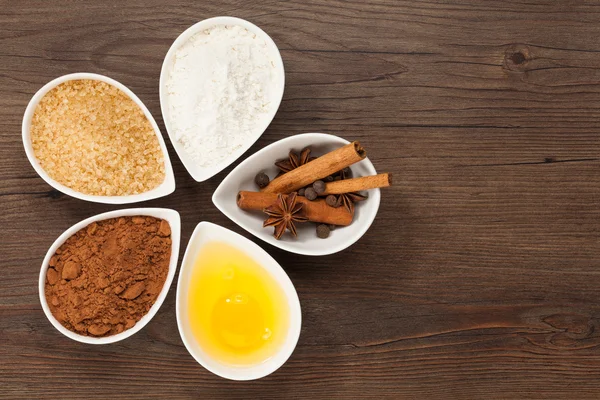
(331, 200)
(319, 187)
(261, 179)
(301, 191)
(310, 194)
(323, 231)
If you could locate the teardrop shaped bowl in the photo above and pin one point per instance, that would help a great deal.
(207, 232)
(165, 188)
(307, 242)
(171, 216)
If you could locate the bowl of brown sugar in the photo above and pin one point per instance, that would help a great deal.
(92, 138)
(106, 277)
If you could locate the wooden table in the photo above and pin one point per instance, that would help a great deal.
(479, 277)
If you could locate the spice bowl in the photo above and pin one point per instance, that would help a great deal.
(206, 232)
(163, 189)
(242, 178)
(171, 216)
(203, 172)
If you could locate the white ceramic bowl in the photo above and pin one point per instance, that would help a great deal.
(203, 173)
(171, 216)
(242, 178)
(168, 185)
(206, 232)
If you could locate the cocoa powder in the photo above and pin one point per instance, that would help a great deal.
(105, 277)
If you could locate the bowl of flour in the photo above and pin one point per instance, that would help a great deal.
(221, 84)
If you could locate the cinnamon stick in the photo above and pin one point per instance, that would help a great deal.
(316, 211)
(317, 169)
(358, 184)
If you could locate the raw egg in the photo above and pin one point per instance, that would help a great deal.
(238, 313)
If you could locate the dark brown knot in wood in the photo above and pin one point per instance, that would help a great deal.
(516, 57)
(572, 330)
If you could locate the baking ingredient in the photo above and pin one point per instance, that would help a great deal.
(331, 201)
(322, 199)
(106, 277)
(261, 179)
(345, 173)
(294, 160)
(310, 193)
(93, 138)
(237, 312)
(284, 214)
(357, 184)
(318, 168)
(323, 231)
(348, 199)
(319, 187)
(221, 91)
(316, 211)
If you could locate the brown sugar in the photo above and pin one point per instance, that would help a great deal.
(93, 138)
(106, 277)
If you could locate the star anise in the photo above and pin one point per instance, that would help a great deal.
(348, 200)
(346, 173)
(294, 160)
(284, 214)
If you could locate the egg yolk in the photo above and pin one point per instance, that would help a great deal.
(239, 321)
(237, 312)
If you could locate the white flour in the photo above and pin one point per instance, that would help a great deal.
(221, 88)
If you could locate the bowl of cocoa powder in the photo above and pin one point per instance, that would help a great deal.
(105, 278)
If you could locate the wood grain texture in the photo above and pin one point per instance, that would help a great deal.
(479, 278)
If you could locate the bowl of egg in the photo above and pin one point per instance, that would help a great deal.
(238, 313)
(92, 138)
